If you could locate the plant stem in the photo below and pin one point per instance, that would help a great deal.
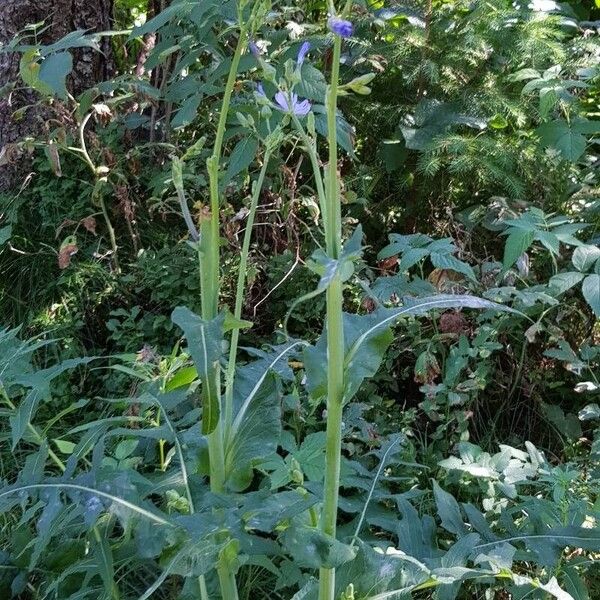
(97, 193)
(209, 255)
(335, 333)
(314, 161)
(239, 295)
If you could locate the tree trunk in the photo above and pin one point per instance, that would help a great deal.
(90, 66)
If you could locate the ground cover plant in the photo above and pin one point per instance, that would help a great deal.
(300, 301)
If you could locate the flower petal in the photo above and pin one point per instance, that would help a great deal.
(304, 49)
(301, 109)
(341, 27)
(282, 101)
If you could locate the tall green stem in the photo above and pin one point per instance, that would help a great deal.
(239, 294)
(209, 252)
(335, 332)
(314, 161)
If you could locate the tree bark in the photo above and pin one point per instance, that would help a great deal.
(90, 66)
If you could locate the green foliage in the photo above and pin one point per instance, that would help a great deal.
(133, 465)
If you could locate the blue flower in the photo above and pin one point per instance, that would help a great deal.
(304, 49)
(93, 504)
(254, 49)
(341, 27)
(290, 103)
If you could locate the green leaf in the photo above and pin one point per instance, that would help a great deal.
(328, 268)
(183, 377)
(585, 126)
(393, 154)
(584, 257)
(204, 340)
(411, 257)
(103, 560)
(357, 366)
(573, 583)
(255, 436)
(64, 446)
(29, 70)
(562, 282)
(498, 122)
(187, 111)
(176, 11)
(449, 511)
(313, 84)
(345, 132)
(39, 384)
(241, 157)
(559, 134)
(54, 71)
(590, 288)
(447, 261)
(257, 420)
(367, 337)
(549, 241)
(5, 234)
(313, 549)
(517, 243)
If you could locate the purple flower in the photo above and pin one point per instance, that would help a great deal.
(292, 104)
(341, 27)
(287, 102)
(304, 49)
(254, 49)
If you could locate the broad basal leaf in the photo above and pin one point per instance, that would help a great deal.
(367, 337)
(257, 419)
(312, 548)
(204, 340)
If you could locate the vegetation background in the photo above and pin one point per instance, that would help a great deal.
(471, 162)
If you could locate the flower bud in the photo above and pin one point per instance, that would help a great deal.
(359, 85)
(341, 27)
(269, 71)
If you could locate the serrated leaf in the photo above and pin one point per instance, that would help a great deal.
(517, 243)
(562, 282)
(559, 134)
(447, 261)
(584, 257)
(241, 157)
(313, 84)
